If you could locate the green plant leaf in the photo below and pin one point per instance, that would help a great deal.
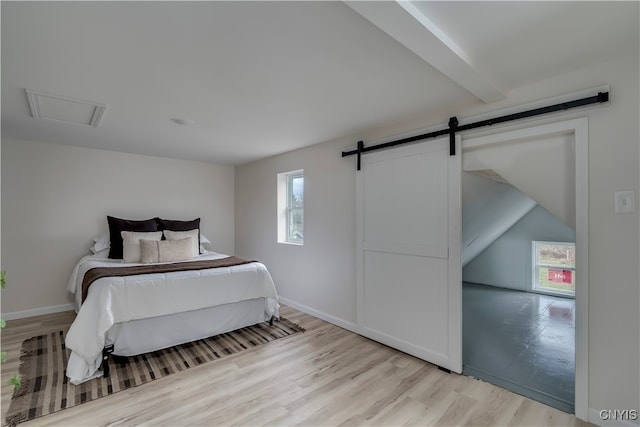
(3, 283)
(2, 323)
(15, 381)
(3, 356)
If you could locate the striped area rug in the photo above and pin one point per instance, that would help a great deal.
(45, 388)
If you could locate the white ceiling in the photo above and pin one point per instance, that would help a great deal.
(262, 78)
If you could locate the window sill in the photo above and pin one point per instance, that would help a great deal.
(292, 243)
(571, 295)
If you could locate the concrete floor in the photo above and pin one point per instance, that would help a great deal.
(521, 341)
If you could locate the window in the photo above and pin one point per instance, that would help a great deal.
(291, 207)
(554, 268)
(295, 207)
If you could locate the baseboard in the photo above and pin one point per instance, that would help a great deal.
(320, 315)
(37, 311)
(606, 418)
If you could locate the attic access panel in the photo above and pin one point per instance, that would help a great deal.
(65, 109)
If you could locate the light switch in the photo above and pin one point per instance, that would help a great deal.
(625, 202)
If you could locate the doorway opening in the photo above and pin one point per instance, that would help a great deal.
(524, 258)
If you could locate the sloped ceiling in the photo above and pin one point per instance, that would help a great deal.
(262, 78)
(503, 181)
(489, 209)
(541, 168)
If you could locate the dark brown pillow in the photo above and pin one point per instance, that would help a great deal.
(178, 225)
(117, 225)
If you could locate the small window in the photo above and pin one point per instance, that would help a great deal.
(291, 207)
(295, 207)
(554, 268)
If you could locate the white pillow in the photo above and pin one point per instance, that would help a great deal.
(102, 254)
(179, 235)
(131, 243)
(203, 241)
(101, 242)
(166, 250)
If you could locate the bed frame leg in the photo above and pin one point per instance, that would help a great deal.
(271, 321)
(106, 352)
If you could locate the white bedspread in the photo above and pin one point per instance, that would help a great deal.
(114, 300)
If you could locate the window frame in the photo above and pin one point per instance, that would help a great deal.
(535, 270)
(285, 208)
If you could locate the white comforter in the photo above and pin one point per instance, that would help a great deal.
(114, 300)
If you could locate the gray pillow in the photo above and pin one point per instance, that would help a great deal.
(152, 251)
(178, 235)
(131, 243)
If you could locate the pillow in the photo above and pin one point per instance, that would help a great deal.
(131, 243)
(204, 241)
(100, 243)
(178, 225)
(192, 234)
(102, 254)
(117, 226)
(165, 250)
(149, 251)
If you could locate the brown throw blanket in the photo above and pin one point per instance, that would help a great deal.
(98, 272)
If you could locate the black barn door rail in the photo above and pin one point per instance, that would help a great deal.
(454, 127)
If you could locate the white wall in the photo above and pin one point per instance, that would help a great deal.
(506, 263)
(321, 274)
(55, 198)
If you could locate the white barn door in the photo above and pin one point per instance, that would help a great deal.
(409, 274)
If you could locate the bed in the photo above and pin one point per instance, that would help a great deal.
(146, 312)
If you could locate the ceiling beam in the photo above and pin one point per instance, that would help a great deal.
(410, 27)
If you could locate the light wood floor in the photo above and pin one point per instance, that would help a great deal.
(325, 376)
